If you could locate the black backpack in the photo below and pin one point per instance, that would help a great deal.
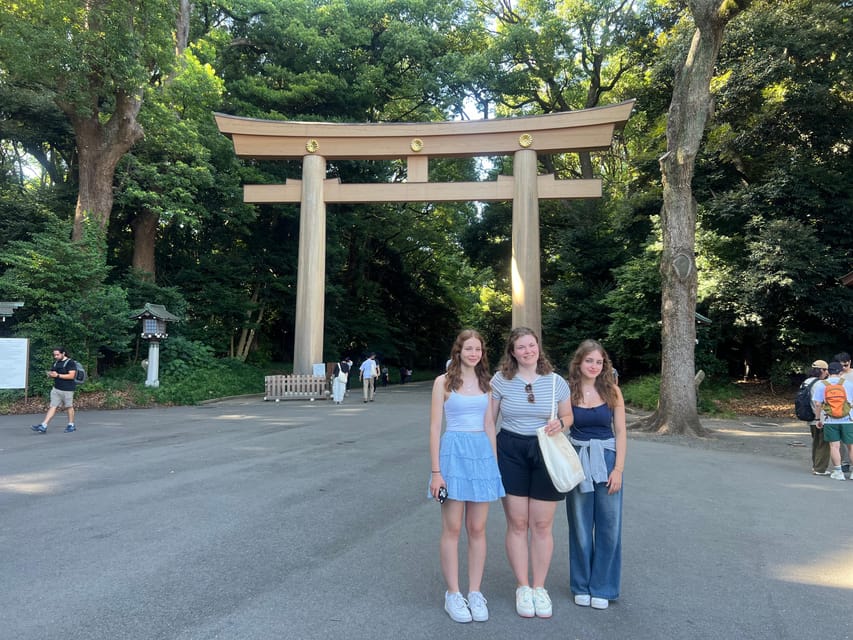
(80, 375)
(803, 402)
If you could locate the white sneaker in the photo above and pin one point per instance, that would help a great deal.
(541, 602)
(582, 599)
(477, 604)
(456, 607)
(599, 603)
(838, 474)
(524, 602)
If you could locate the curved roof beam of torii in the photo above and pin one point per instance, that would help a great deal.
(571, 131)
(586, 130)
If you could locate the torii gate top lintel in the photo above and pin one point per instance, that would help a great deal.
(584, 130)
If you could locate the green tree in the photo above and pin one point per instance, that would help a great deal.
(689, 110)
(775, 169)
(94, 58)
(66, 298)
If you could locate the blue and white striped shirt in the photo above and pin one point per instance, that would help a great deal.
(516, 413)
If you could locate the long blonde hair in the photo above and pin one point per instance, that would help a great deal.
(509, 365)
(605, 382)
(453, 377)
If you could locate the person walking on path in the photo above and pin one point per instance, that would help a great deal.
(594, 508)
(524, 390)
(464, 475)
(63, 371)
(833, 398)
(367, 374)
(339, 381)
(820, 447)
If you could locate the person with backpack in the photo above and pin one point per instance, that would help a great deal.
(63, 371)
(846, 374)
(804, 408)
(340, 377)
(832, 403)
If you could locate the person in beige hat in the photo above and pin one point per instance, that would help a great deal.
(820, 447)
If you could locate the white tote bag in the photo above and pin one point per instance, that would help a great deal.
(559, 455)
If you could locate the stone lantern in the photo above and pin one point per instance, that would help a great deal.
(154, 318)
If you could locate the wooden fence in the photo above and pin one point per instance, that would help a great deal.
(295, 386)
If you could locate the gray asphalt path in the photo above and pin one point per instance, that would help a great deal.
(245, 520)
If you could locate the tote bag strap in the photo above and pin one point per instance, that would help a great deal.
(553, 395)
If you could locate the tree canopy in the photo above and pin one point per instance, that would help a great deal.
(114, 124)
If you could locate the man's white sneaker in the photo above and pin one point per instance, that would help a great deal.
(456, 607)
(524, 602)
(599, 603)
(838, 474)
(541, 602)
(582, 599)
(477, 605)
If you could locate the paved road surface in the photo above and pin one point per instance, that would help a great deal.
(245, 520)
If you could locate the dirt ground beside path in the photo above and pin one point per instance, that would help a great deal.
(758, 436)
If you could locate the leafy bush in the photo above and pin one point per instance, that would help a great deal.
(188, 383)
(644, 392)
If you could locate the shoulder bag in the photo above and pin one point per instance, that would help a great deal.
(559, 455)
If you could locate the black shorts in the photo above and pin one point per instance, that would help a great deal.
(522, 469)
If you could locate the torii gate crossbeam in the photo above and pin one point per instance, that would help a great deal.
(316, 142)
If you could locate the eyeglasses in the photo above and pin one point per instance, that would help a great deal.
(528, 389)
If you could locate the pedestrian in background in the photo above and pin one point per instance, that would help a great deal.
(820, 447)
(63, 371)
(367, 373)
(833, 398)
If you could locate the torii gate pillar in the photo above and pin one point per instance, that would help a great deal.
(311, 272)
(526, 287)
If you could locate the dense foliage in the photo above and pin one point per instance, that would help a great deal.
(774, 181)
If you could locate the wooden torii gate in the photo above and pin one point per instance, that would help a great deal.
(316, 142)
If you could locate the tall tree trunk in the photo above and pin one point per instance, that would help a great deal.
(144, 225)
(100, 146)
(689, 111)
(247, 334)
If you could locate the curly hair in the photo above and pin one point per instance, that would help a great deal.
(605, 382)
(508, 365)
(453, 377)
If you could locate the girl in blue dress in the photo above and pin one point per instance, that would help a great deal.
(464, 464)
(594, 508)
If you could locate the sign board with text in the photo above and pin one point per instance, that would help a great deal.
(14, 360)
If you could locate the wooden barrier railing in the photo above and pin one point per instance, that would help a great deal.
(295, 386)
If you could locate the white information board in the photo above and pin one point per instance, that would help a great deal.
(14, 360)
(319, 369)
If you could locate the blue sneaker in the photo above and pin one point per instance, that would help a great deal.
(39, 428)
(70, 428)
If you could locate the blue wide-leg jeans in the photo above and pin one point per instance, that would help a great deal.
(595, 539)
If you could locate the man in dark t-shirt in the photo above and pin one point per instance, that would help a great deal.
(63, 372)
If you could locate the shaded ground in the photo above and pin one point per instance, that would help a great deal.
(759, 399)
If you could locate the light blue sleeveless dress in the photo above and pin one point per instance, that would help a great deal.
(468, 463)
